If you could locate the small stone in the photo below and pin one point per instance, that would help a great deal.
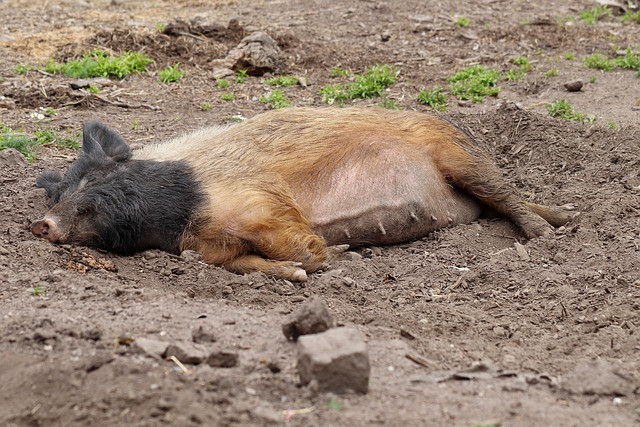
(188, 353)
(191, 256)
(79, 84)
(12, 157)
(150, 347)
(42, 335)
(331, 276)
(599, 377)
(98, 360)
(560, 258)
(311, 317)
(336, 360)
(91, 334)
(522, 251)
(202, 335)
(222, 359)
(573, 86)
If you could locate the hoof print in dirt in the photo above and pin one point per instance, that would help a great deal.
(312, 317)
(257, 53)
(336, 360)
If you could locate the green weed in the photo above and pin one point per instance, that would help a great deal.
(523, 63)
(23, 69)
(335, 404)
(612, 125)
(49, 136)
(337, 93)
(630, 16)
(563, 110)
(205, 106)
(435, 99)
(593, 79)
(160, 27)
(229, 96)
(599, 61)
(474, 83)
(339, 72)
(514, 74)
(552, 72)
(28, 145)
(241, 76)
(283, 81)
(222, 83)
(569, 56)
(276, 98)
(93, 89)
(630, 60)
(389, 104)
(171, 74)
(38, 291)
(22, 143)
(368, 85)
(596, 13)
(135, 124)
(98, 63)
(463, 22)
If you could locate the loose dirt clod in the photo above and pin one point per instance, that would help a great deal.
(336, 359)
(222, 359)
(257, 53)
(188, 353)
(573, 86)
(311, 317)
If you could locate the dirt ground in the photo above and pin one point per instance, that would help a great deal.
(549, 337)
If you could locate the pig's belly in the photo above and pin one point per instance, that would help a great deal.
(396, 222)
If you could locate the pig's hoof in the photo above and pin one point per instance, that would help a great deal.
(299, 276)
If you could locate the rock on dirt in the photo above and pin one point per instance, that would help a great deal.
(186, 352)
(12, 157)
(257, 53)
(573, 86)
(311, 317)
(150, 347)
(337, 360)
(222, 359)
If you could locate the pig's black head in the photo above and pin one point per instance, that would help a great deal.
(109, 201)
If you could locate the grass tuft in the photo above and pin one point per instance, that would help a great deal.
(475, 83)
(171, 74)
(435, 99)
(563, 110)
(98, 63)
(282, 81)
(596, 13)
(368, 85)
(276, 99)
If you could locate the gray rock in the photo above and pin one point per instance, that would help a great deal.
(222, 359)
(257, 53)
(311, 317)
(186, 352)
(150, 347)
(573, 86)
(12, 157)
(337, 360)
(202, 335)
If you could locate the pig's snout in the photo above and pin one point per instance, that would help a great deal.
(46, 228)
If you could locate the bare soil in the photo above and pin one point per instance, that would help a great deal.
(545, 336)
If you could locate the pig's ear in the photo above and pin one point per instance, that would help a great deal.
(50, 181)
(97, 137)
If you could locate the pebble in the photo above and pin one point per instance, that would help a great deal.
(222, 359)
(573, 86)
(336, 360)
(311, 317)
(187, 353)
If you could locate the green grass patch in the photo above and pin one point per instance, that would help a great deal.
(599, 61)
(630, 60)
(276, 99)
(171, 74)
(596, 13)
(228, 96)
(222, 83)
(390, 104)
(569, 56)
(38, 291)
(339, 72)
(368, 85)
(523, 63)
(561, 109)
(475, 83)
(552, 72)
(98, 63)
(435, 99)
(463, 22)
(205, 106)
(630, 16)
(241, 76)
(28, 145)
(282, 81)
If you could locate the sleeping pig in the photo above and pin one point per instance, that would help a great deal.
(283, 192)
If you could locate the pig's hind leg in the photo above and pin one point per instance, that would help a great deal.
(468, 168)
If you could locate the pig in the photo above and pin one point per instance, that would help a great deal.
(283, 192)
